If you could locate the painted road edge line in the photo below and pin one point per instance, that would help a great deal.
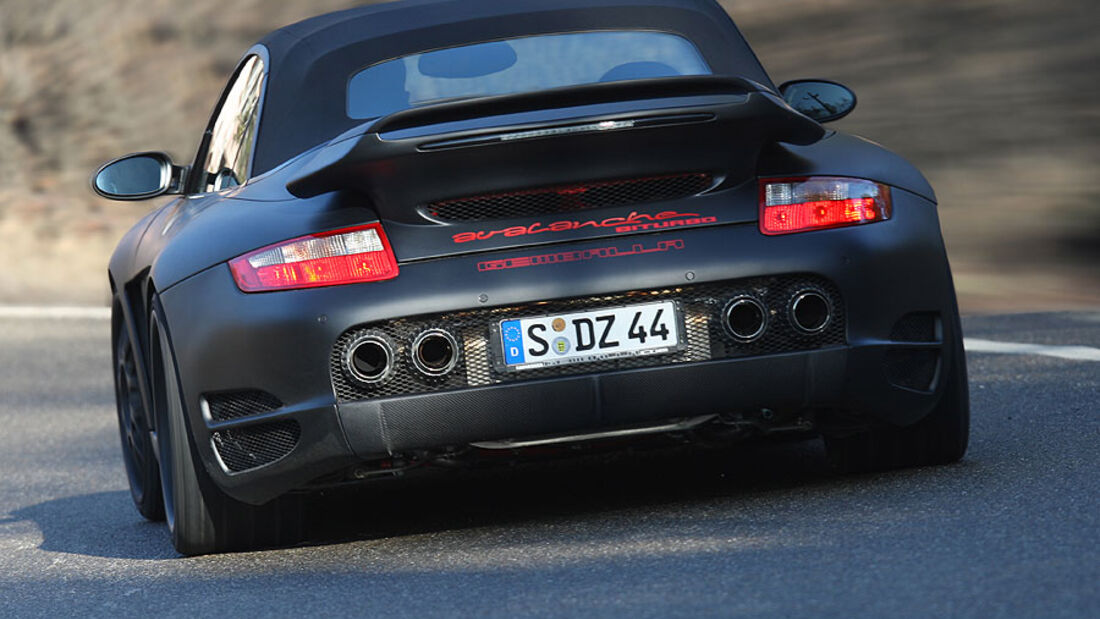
(1075, 353)
(54, 312)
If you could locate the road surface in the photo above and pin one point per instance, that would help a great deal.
(764, 530)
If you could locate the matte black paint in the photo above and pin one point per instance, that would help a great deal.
(276, 342)
(194, 233)
(280, 342)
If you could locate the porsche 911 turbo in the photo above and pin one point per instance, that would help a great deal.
(429, 233)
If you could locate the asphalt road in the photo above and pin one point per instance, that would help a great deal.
(1013, 530)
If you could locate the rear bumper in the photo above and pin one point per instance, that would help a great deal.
(593, 402)
(834, 378)
(282, 343)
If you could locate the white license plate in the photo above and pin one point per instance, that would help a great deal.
(596, 335)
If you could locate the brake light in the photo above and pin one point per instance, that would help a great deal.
(348, 256)
(816, 203)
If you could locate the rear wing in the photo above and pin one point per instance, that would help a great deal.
(620, 130)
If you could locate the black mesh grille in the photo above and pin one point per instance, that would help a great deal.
(702, 307)
(571, 198)
(912, 369)
(919, 327)
(247, 448)
(236, 404)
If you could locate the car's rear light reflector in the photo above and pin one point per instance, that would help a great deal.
(816, 203)
(348, 256)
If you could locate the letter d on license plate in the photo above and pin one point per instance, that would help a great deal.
(595, 335)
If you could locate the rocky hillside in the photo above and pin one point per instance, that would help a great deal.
(994, 100)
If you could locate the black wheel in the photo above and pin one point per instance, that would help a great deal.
(202, 519)
(134, 424)
(940, 438)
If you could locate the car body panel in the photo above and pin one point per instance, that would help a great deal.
(281, 342)
(194, 233)
(840, 154)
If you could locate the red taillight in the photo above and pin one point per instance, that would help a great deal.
(816, 203)
(348, 256)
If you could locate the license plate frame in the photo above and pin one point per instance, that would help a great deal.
(499, 355)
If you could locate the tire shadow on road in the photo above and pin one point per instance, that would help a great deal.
(100, 524)
(104, 524)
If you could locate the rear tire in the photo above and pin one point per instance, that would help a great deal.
(940, 438)
(135, 429)
(189, 516)
(202, 519)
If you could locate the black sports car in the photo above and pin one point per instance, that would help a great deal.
(431, 232)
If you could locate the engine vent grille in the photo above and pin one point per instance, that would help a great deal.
(241, 449)
(702, 307)
(566, 199)
(236, 404)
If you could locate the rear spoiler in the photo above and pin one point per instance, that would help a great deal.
(689, 134)
(569, 96)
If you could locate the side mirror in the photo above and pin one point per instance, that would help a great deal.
(821, 100)
(139, 176)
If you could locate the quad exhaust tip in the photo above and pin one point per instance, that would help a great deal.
(810, 311)
(435, 352)
(369, 359)
(746, 318)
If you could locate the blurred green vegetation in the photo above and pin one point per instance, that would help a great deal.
(994, 100)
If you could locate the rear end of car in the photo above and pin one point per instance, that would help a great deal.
(678, 291)
(488, 268)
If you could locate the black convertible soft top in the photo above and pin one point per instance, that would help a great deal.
(310, 62)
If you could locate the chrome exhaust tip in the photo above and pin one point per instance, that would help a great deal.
(810, 311)
(746, 318)
(435, 352)
(369, 359)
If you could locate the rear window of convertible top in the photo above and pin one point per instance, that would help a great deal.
(518, 65)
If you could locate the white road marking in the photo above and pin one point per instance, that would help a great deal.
(54, 312)
(1076, 353)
